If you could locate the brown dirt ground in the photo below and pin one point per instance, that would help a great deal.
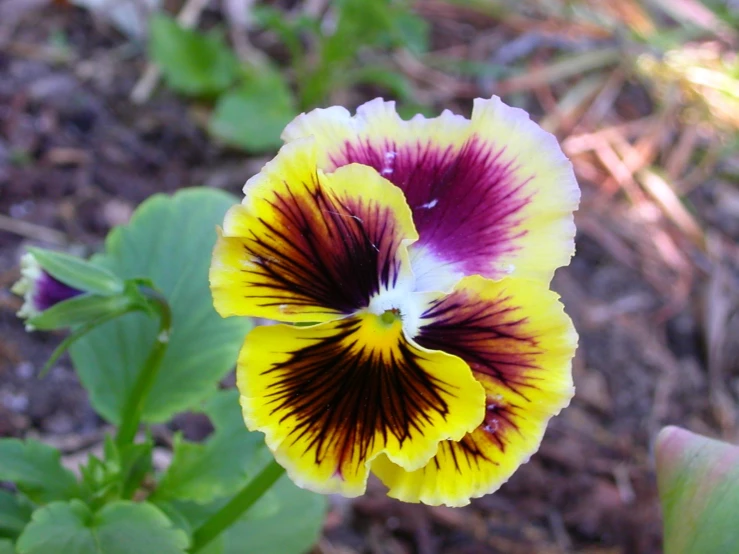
(654, 300)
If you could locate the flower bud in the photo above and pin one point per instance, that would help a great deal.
(39, 289)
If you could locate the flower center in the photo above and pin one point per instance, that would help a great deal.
(390, 316)
(398, 306)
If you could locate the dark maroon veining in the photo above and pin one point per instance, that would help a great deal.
(323, 251)
(343, 395)
(489, 335)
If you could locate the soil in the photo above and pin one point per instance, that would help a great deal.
(654, 307)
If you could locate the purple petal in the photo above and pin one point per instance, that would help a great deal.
(50, 291)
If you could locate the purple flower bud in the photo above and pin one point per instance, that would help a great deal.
(39, 289)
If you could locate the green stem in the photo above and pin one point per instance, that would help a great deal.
(134, 406)
(237, 506)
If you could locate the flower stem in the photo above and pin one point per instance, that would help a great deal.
(134, 406)
(237, 506)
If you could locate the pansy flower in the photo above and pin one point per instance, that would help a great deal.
(39, 289)
(412, 259)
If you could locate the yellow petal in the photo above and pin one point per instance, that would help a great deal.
(308, 247)
(332, 397)
(519, 343)
(542, 231)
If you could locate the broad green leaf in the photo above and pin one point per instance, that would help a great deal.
(169, 240)
(177, 518)
(78, 273)
(253, 115)
(77, 333)
(14, 514)
(293, 529)
(222, 464)
(196, 513)
(36, 470)
(118, 528)
(6, 547)
(263, 528)
(698, 481)
(183, 519)
(192, 63)
(187, 516)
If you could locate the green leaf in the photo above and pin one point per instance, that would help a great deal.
(411, 31)
(386, 77)
(196, 513)
(359, 24)
(119, 528)
(79, 310)
(283, 500)
(378, 24)
(6, 547)
(182, 518)
(169, 240)
(698, 482)
(213, 547)
(14, 514)
(253, 115)
(286, 520)
(135, 464)
(78, 273)
(73, 337)
(120, 473)
(192, 63)
(36, 470)
(219, 466)
(292, 529)
(288, 29)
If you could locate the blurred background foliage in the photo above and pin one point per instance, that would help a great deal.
(106, 102)
(316, 56)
